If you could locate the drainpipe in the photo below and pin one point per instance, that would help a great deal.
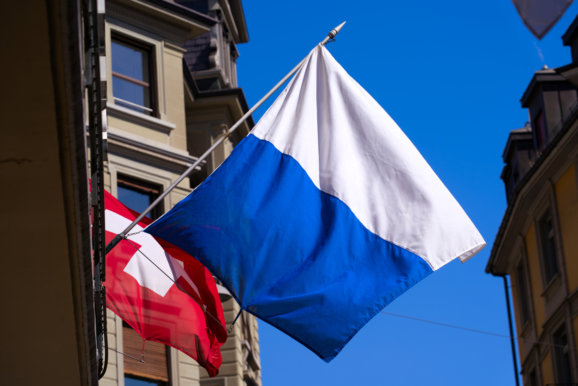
(511, 325)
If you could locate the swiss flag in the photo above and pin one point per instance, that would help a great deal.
(163, 293)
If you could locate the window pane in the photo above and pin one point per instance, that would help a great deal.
(130, 61)
(130, 381)
(138, 195)
(131, 92)
(134, 199)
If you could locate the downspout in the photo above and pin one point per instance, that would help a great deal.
(511, 325)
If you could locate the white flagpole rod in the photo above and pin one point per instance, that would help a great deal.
(123, 234)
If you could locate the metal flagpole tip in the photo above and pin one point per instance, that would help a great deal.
(331, 35)
(336, 30)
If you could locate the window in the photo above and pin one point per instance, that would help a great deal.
(548, 247)
(138, 195)
(562, 356)
(132, 75)
(522, 292)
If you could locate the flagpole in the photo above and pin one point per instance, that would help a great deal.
(123, 234)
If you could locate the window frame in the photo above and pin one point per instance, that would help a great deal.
(153, 109)
(524, 292)
(549, 262)
(558, 352)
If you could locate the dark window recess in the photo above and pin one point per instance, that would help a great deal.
(524, 298)
(206, 84)
(138, 195)
(540, 130)
(562, 357)
(533, 379)
(132, 80)
(548, 244)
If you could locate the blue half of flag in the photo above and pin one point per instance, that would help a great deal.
(323, 215)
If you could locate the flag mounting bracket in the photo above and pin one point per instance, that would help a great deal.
(330, 37)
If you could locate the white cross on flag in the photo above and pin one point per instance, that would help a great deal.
(162, 292)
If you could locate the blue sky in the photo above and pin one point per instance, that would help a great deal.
(451, 73)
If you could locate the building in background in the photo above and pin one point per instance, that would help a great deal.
(171, 93)
(171, 90)
(537, 243)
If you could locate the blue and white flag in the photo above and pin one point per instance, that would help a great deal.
(323, 214)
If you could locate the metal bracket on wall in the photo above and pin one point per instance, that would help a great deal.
(93, 15)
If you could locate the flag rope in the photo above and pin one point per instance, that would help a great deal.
(141, 359)
(423, 320)
(448, 325)
(468, 329)
(204, 308)
(445, 324)
(230, 329)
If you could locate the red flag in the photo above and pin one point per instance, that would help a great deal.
(163, 293)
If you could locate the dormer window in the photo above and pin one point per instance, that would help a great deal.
(132, 80)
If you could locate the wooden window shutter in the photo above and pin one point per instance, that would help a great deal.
(155, 357)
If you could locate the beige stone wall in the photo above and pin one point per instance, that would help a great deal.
(114, 371)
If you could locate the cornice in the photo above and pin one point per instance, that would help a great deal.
(156, 154)
(169, 20)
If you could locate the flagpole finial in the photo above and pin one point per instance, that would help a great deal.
(331, 35)
(336, 30)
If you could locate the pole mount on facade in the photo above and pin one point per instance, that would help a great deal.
(237, 124)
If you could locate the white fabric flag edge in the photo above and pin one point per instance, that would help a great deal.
(325, 134)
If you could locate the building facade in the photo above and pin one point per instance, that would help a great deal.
(48, 328)
(537, 243)
(171, 93)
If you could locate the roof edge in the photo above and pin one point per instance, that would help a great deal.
(514, 200)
